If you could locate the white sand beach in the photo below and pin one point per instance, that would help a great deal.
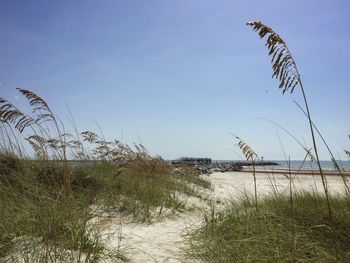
(165, 241)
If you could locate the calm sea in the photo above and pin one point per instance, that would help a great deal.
(308, 165)
(326, 165)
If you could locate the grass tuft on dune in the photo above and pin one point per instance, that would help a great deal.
(278, 233)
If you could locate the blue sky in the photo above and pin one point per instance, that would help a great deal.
(180, 75)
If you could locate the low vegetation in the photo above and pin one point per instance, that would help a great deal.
(34, 204)
(50, 193)
(278, 233)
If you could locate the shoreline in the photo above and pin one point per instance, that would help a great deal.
(295, 171)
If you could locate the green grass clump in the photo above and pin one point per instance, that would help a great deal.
(142, 188)
(39, 212)
(277, 233)
(40, 222)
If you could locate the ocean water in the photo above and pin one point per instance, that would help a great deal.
(307, 165)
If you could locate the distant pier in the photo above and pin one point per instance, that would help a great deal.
(207, 166)
(192, 161)
(256, 163)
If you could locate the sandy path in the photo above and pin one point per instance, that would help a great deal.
(165, 241)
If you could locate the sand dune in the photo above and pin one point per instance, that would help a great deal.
(165, 241)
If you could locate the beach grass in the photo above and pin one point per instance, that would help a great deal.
(39, 222)
(35, 206)
(54, 184)
(278, 233)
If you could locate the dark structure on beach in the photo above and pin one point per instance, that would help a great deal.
(206, 166)
(191, 161)
(256, 163)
